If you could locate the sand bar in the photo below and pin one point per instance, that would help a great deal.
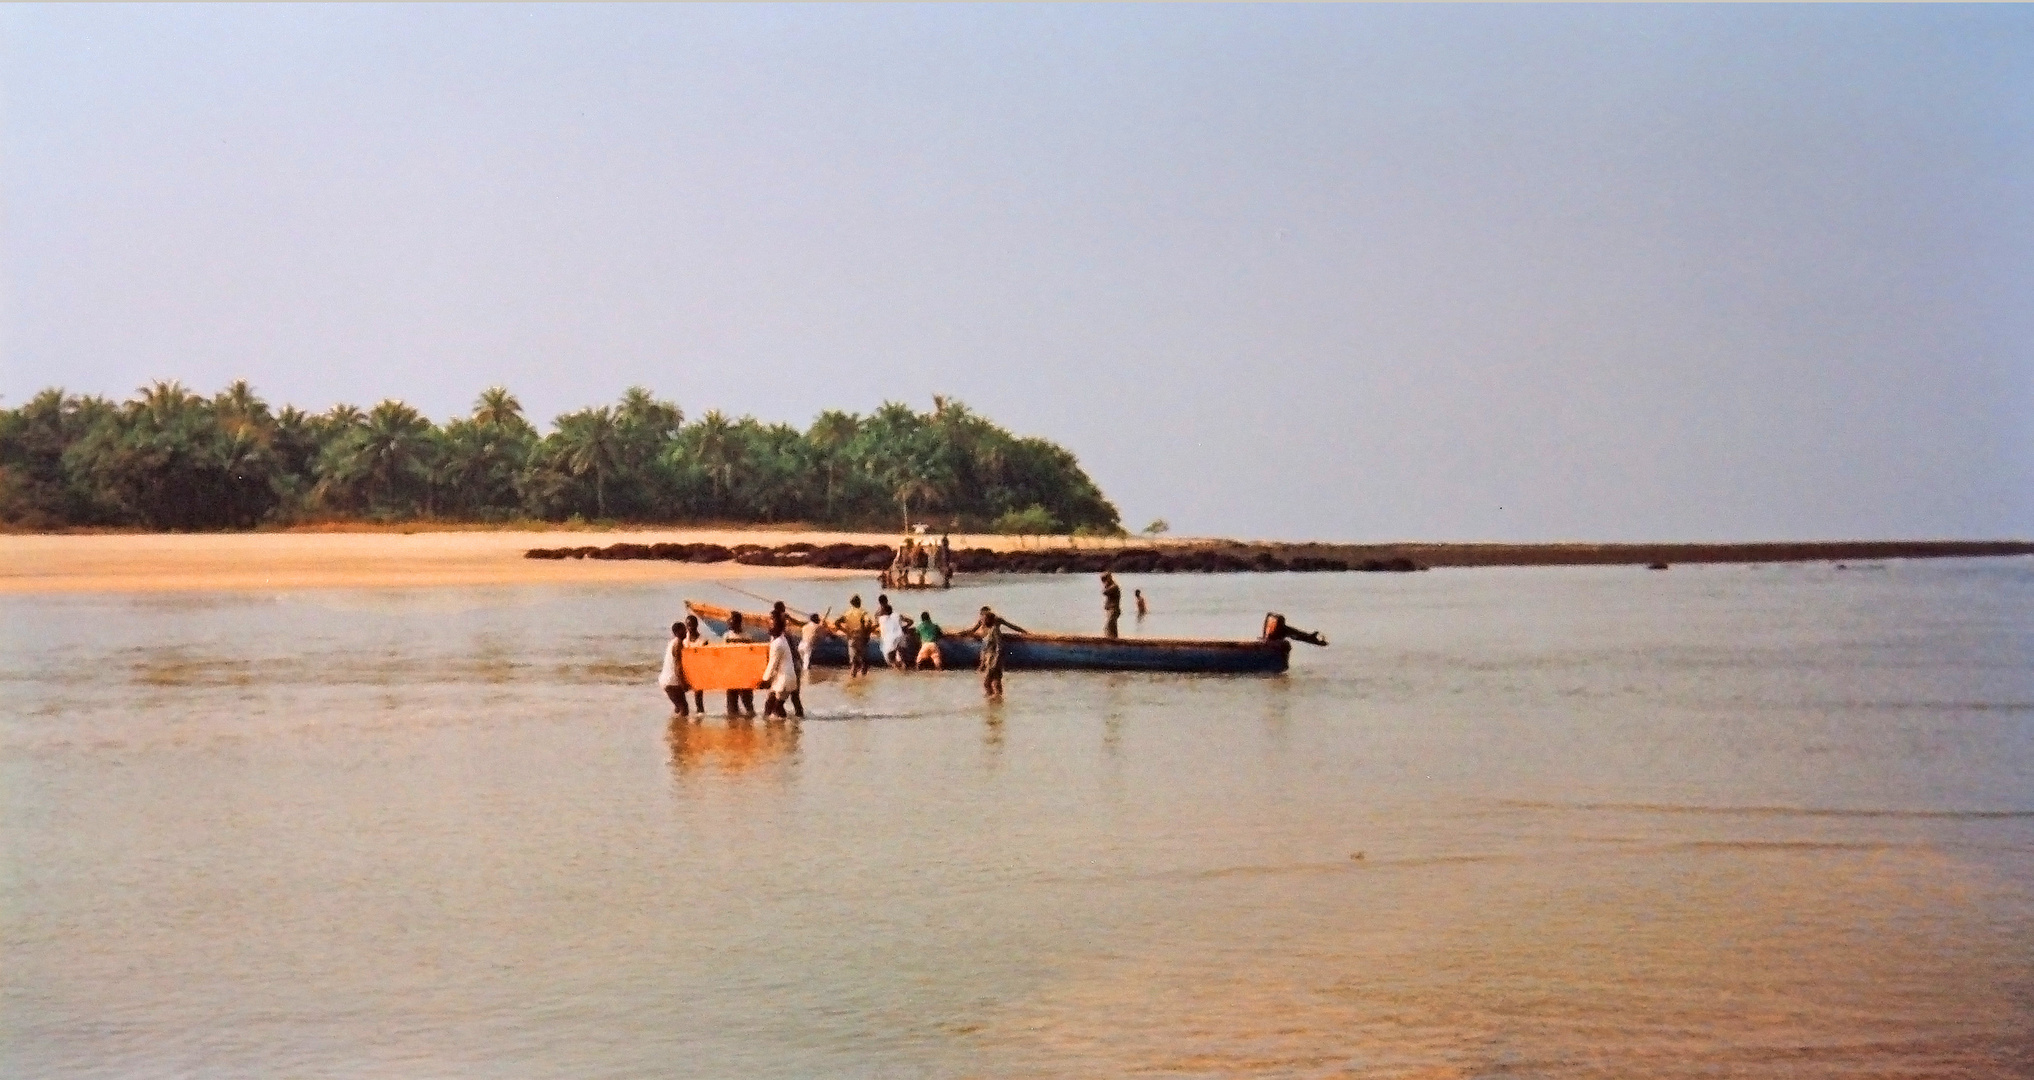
(158, 562)
(392, 558)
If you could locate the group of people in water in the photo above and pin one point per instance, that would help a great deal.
(935, 559)
(905, 644)
(783, 674)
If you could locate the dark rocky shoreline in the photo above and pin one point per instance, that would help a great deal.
(1220, 558)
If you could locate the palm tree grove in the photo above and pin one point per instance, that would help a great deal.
(173, 459)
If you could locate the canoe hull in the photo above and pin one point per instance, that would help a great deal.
(1055, 652)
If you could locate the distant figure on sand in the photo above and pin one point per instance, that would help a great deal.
(928, 643)
(744, 699)
(672, 678)
(1143, 609)
(780, 674)
(891, 626)
(899, 574)
(1112, 604)
(857, 624)
(945, 562)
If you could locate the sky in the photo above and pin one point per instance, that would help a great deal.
(1340, 273)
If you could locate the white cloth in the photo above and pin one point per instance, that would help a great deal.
(808, 638)
(891, 626)
(782, 670)
(669, 676)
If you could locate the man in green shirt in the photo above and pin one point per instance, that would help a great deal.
(928, 643)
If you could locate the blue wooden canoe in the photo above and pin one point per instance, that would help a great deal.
(1048, 652)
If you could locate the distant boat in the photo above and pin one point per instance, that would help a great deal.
(1051, 652)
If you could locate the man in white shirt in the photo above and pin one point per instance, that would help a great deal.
(780, 674)
(672, 678)
(891, 626)
(809, 637)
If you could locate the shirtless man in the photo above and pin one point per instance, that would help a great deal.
(1112, 604)
(989, 627)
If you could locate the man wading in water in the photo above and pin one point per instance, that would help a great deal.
(744, 700)
(1112, 605)
(989, 627)
(672, 678)
(694, 637)
(780, 673)
(856, 624)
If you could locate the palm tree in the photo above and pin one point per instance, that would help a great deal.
(238, 406)
(391, 445)
(338, 420)
(831, 435)
(915, 488)
(718, 453)
(498, 407)
(591, 442)
(163, 402)
(640, 409)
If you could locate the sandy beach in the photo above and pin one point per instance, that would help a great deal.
(159, 562)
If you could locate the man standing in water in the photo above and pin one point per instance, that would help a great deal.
(694, 637)
(856, 624)
(780, 674)
(672, 678)
(1143, 608)
(808, 638)
(928, 643)
(945, 562)
(992, 657)
(1112, 604)
(989, 627)
(745, 699)
(891, 626)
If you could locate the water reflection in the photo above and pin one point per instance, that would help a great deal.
(738, 746)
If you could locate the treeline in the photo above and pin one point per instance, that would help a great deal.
(174, 459)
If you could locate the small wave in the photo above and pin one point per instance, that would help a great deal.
(1341, 866)
(1769, 811)
(1928, 706)
(853, 714)
(1784, 845)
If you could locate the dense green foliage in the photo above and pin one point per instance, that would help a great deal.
(172, 459)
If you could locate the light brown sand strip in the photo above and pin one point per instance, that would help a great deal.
(153, 562)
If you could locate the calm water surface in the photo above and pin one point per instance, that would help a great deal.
(1731, 821)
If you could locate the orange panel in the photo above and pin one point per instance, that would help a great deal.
(725, 667)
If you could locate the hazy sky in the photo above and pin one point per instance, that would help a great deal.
(1318, 272)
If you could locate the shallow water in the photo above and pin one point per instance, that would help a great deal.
(1742, 821)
